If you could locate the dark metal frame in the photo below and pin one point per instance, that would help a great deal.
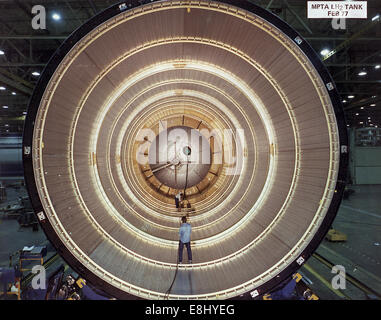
(113, 11)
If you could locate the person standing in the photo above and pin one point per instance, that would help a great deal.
(178, 200)
(185, 238)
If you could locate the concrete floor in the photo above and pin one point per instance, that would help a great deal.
(359, 218)
(14, 238)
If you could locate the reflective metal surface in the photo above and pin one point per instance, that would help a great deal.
(259, 213)
(180, 157)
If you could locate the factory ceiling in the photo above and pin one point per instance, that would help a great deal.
(24, 52)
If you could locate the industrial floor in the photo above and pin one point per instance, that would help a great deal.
(359, 218)
(13, 237)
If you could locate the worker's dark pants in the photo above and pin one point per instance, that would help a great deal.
(177, 202)
(189, 251)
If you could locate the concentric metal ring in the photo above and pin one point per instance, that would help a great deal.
(128, 70)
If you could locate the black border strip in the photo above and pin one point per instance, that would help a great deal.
(109, 13)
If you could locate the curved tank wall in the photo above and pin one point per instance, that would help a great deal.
(234, 73)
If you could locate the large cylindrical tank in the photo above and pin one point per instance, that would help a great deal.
(11, 157)
(249, 85)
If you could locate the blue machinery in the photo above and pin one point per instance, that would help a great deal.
(58, 285)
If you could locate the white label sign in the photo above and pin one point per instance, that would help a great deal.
(41, 216)
(337, 9)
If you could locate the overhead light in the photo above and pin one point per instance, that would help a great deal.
(324, 52)
(13, 93)
(7, 125)
(374, 97)
(369, 118)
(361, 122)
(5, 107)
(362, 73)
(56, 16)
(357, 114)
(373, 105)
(344, 101)
(377, 66)
(376, 17)
(362, 108)
(35, 73)
(347, 125)
(2, 52)
(351, 97)
(2, 88)
(24, 112)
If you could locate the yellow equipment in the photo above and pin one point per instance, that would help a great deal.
(336, 236)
